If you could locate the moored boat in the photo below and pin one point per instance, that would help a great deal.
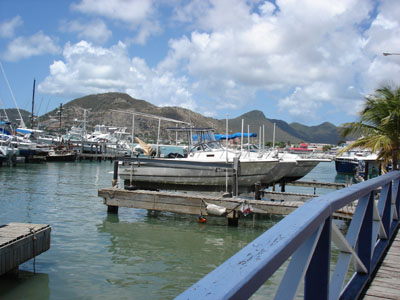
(206, 150)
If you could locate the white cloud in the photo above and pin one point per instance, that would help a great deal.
(382, 36)
(95, 31)
(239, 48)
(139, 15)
(87, 69)
(7, 28)
(317, 55)
(25, 47)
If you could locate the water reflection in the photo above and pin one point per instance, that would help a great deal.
(345, 178)
(26, 285)
(157, 253)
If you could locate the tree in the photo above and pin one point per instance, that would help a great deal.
(326, 148)
(379, 125)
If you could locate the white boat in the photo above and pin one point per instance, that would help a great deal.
(302, 168)
(162, 175)
(8, 153)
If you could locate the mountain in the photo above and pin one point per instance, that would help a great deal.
(255, 119)
(324, 133)
(113, 109)
(13, 116)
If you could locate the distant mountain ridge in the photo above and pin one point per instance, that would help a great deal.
(112, 109)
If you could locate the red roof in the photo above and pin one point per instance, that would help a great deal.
(300, 149)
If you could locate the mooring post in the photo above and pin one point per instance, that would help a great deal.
(115, 174)
(112, 209)
(235, 177)
(233, 219)
(257, 193)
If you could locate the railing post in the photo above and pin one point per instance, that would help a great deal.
(386, 206)
(396, 195)
(365, 240)
(316, 282)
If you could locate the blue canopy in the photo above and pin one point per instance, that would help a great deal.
(3, 130)
(223, 136)
(24, 131)
(234, 136)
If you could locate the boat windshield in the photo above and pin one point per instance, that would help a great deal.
(210, 146)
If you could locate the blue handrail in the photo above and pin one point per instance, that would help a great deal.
(306, 235)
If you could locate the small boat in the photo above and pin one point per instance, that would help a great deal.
(360, 161)
(60, 154)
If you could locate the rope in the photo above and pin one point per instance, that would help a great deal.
(32, 230)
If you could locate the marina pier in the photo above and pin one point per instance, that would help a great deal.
(20, 242)
(196, 203)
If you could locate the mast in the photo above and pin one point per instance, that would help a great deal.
(33, 103)
(4, 109)
(12, 95)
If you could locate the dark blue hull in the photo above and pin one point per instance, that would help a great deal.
(346, 166)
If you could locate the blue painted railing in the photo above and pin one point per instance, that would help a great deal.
(306, 235)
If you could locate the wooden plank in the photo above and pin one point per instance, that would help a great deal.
(386, 283)
(324, 185)
(287, 196)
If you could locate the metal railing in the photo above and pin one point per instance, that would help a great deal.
(306, 235)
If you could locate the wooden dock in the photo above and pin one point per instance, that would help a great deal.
(99, 156)
(195, 204)
(20, 242)
(316, 184)
(386, 283)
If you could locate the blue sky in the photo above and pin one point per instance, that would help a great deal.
(301, 61)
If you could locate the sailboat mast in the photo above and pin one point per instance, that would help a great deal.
(12, 95)
(5, 112)
(33, 103)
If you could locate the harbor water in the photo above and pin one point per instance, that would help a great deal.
(133, 255)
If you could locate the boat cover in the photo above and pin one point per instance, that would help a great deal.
(234, 136)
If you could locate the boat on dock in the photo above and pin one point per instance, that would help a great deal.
(193, 172)
(302, 168)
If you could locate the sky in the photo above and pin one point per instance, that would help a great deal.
(300, 61)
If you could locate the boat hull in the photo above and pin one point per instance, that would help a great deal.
(195, 178)
(61, 157)
(279, 171)
(346, 166)
(302, 168)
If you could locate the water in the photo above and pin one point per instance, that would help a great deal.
(94, 255)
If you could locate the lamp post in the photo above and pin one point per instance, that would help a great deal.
(388, 53)
(396, 151)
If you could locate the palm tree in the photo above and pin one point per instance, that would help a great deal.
(379, 125)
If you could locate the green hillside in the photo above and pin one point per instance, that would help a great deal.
(112, 109)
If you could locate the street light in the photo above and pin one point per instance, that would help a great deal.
(386, 53)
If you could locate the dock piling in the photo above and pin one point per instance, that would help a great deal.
(115, 174)
(112, 209)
